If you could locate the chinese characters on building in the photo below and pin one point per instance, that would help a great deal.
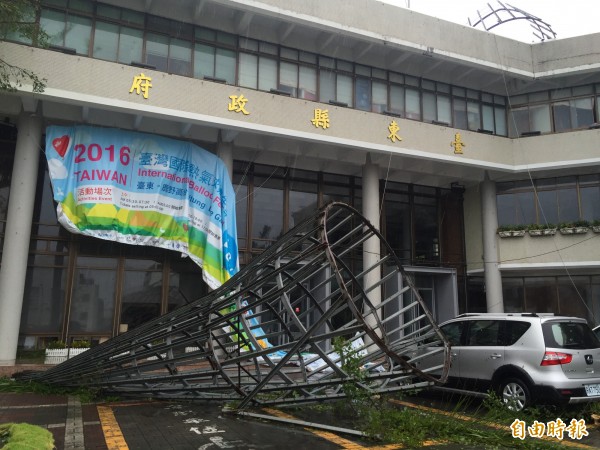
(321, 118)
(238, 104)
(141, 84)
(458, 144)
(393, 128)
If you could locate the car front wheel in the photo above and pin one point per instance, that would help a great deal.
(515, 394)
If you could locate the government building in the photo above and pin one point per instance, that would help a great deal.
(450, 139)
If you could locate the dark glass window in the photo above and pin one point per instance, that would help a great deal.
(540, 296)
(484, 333)
(427, 248)
(398, 224)
(589, 191)
(141, 292)
(569, 335)
(513, 294)
(453, 332)
(303, 199)
(93, 299)
(157, 51)
(267, 206)
(514, 331)
(106, 41)
(44, 298)
(130, 45)
(515, 203)
(571, 294)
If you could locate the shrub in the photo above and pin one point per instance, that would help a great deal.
(56, 344)
(80, 344)
(581, 223)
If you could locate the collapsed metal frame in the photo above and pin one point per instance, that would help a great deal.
(282, 330)
(507, 13)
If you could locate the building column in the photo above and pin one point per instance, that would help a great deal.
(225, 152)
(489, 222)
(371, 250)
(18, 234)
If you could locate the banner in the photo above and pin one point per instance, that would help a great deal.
(143, 189)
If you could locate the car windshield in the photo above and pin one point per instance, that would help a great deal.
(573, 335)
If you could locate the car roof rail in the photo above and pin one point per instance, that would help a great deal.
(525, 314)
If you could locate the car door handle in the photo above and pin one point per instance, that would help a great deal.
(454, 355)
(495, 355)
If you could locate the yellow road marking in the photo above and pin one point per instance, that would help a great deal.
(110, 427)
(343, 443)
(487, 424)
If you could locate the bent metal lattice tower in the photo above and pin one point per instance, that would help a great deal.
(280, 330)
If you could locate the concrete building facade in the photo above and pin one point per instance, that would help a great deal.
(437, 140)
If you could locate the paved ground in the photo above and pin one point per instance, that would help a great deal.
(147, 425)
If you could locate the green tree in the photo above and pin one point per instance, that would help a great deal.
(18, 21)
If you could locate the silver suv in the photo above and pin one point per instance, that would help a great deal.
(523, 357)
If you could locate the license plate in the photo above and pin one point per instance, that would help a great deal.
(592, 389)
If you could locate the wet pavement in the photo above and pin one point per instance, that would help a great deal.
(142, 425)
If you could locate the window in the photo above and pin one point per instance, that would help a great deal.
(303, 199)
(397, 99)
(528, 119)
(516, 203)
(326, 85)
(141, 292)
(459, 113)
(500, 120)
(429, 107)
(540, 296)
(473, 116)
(576, 296)
(106, 41)
(453, 332)
(267, 73)
(214, 62)
(569, 335)
(427, 249)
(307, 86)
(288, 78)
(514, 331)
(77, 34)
(398, 223)
(131, 42)
(413, 104)
(572, 114)
(379, 97)
(157, 51)
(267, 206)
(589, 191)
(93, 303)
(180, 57)
(484, 333)
(444, 109)
(362, 93)
(67, 30)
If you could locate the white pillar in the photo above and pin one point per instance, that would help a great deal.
(225, 152)
(371, 250)
(18, 234)
(489, 222)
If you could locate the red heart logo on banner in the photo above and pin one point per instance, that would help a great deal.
(61, 144)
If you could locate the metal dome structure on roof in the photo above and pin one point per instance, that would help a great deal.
(505, 13)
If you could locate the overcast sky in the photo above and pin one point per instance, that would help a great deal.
(566, 17)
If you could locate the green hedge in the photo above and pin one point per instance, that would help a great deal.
(23, 436)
